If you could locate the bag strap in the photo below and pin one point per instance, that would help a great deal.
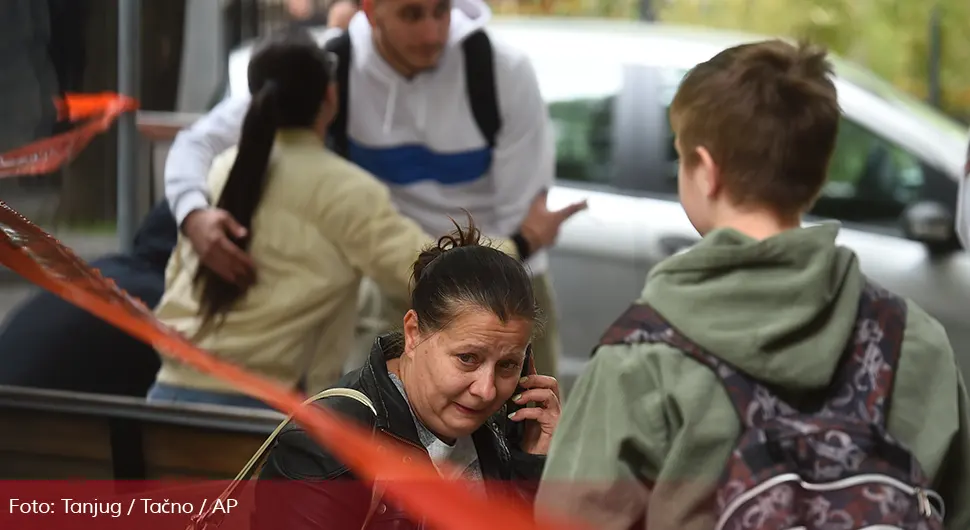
(340, 45)
(862, 386)
(209, 521)
(257, 458)
(641, 323)
(480, 85)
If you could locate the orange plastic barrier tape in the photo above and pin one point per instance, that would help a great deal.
(416, 487)
(45, 156)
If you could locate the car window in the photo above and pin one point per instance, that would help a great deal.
(584, 146)
(581, 112)
(888, 93)
(871, 180)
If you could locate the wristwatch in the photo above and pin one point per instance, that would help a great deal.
(521, 246)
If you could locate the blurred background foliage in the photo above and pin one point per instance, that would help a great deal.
(896, 39)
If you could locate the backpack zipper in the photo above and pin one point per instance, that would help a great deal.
(925, 507)
(922, 495)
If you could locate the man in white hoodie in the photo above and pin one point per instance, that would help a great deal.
(409, 121)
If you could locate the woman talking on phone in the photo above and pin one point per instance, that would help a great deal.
(449, 385)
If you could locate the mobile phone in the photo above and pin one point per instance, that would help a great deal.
(515, 429)
(526, 365)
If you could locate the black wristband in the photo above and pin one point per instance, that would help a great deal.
(521, 246)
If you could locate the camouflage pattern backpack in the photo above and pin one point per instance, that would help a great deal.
(833, 467)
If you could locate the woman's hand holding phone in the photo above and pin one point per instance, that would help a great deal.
(540, 420)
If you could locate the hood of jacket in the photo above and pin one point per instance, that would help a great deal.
(780, 309)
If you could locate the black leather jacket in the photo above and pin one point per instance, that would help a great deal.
(303, 487)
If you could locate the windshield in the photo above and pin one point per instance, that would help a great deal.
(887, 92)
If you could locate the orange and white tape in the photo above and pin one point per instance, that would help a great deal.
(96, 112)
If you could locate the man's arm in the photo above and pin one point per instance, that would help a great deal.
(523, 162)
(193, 151)
(590, 473)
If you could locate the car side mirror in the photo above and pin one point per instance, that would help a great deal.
(930, 223)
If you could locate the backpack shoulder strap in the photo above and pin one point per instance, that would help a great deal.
(480, 84)
(863, 386)
(340, 45)
(641, 323)
(638, 324)
(211, 520)
(752, 401)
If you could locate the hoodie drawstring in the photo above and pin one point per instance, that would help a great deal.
(389, 110)
(422, 111)
(421, 114)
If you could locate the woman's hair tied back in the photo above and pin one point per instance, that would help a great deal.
(461, 271)
(470, 236)
(289, 79)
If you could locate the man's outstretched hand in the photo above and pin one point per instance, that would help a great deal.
(208, 230)
(541, 225)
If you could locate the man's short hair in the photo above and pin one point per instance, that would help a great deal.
(768, 113)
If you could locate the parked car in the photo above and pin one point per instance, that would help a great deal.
(608, 84)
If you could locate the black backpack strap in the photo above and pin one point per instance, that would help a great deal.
(340, 46)
(480, 83)
(863, 386)
(641, 323)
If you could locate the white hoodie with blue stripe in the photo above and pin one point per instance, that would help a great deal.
(417, 135)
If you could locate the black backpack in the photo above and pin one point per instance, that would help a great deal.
(479, 80)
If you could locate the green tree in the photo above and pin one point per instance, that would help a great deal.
(889, 37)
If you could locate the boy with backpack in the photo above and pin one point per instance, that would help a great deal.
(762, 381)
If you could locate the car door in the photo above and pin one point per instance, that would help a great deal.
(602, 256)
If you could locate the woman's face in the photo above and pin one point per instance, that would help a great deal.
(457, 377)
